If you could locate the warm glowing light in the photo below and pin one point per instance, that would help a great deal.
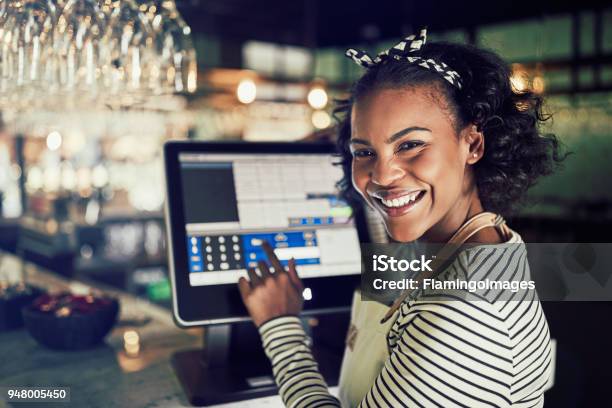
(518, 82)
(538, 84)
(192, 77)
(131, 343)
(99, 176)
(518, 79)
(317, 98)
(51, 179)
(69, 178)
(51, 226)
(54, 140)
(35, 179)
(247, 91)
(131, 337)
(321, 119)
(83, 178)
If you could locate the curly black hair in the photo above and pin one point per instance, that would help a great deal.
(516, 152)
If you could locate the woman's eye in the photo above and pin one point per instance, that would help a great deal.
(409, 145)
(363, 153)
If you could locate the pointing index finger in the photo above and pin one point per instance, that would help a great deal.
(278, 267)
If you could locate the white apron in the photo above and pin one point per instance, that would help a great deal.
(366, 350)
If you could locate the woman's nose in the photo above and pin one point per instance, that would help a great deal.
(386, 172)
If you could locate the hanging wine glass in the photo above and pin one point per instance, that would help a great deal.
(26, 29)
(129, 57)
(77, 38)
(59, 54)
(51, 68)
(175, 50)
(8, 11)
(4, 9)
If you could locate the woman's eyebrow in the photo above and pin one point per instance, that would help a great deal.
(394, 137)
(359, 141)
(404, 132)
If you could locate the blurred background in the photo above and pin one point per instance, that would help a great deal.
(90, 90)
(81, 188)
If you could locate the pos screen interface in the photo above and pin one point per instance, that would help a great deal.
(225, 199)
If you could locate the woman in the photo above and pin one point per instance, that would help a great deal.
(433, 138)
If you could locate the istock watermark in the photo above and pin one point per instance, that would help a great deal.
(453, 285)
(507, 272)
(383, 263)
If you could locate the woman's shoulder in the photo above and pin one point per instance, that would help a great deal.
(478, 283)
(489, 327)
(503, 262)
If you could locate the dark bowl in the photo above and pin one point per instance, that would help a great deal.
(82, 328)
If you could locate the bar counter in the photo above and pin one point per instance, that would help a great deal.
(104, 376)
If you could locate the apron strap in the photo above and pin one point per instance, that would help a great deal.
(465, 232)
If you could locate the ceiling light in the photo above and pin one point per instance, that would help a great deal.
(321, 119)
(246, 91)
(317, 98)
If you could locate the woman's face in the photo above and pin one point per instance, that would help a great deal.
(410, 164)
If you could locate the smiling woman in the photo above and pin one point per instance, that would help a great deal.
(434, 139)
(483, 133)
(407, 154)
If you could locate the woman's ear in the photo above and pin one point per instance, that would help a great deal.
(475, 143)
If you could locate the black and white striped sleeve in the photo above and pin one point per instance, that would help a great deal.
(447, 354)
(295, 370)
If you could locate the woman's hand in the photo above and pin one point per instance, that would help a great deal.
(271, 294)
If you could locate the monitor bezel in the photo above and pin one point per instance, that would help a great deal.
(185, 298)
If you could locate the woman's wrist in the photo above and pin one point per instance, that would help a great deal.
(277, 321)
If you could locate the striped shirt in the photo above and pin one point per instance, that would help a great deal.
(449, 348)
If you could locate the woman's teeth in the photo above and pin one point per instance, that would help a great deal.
(400, 201)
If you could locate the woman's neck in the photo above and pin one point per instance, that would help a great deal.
(454, 219)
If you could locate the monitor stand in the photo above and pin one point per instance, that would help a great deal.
(232, 366)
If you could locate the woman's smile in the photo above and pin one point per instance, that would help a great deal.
(396, 203)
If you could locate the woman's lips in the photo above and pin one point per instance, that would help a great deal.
(399, 204)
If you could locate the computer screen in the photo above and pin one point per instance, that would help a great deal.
(233, 202)
(224, 199)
